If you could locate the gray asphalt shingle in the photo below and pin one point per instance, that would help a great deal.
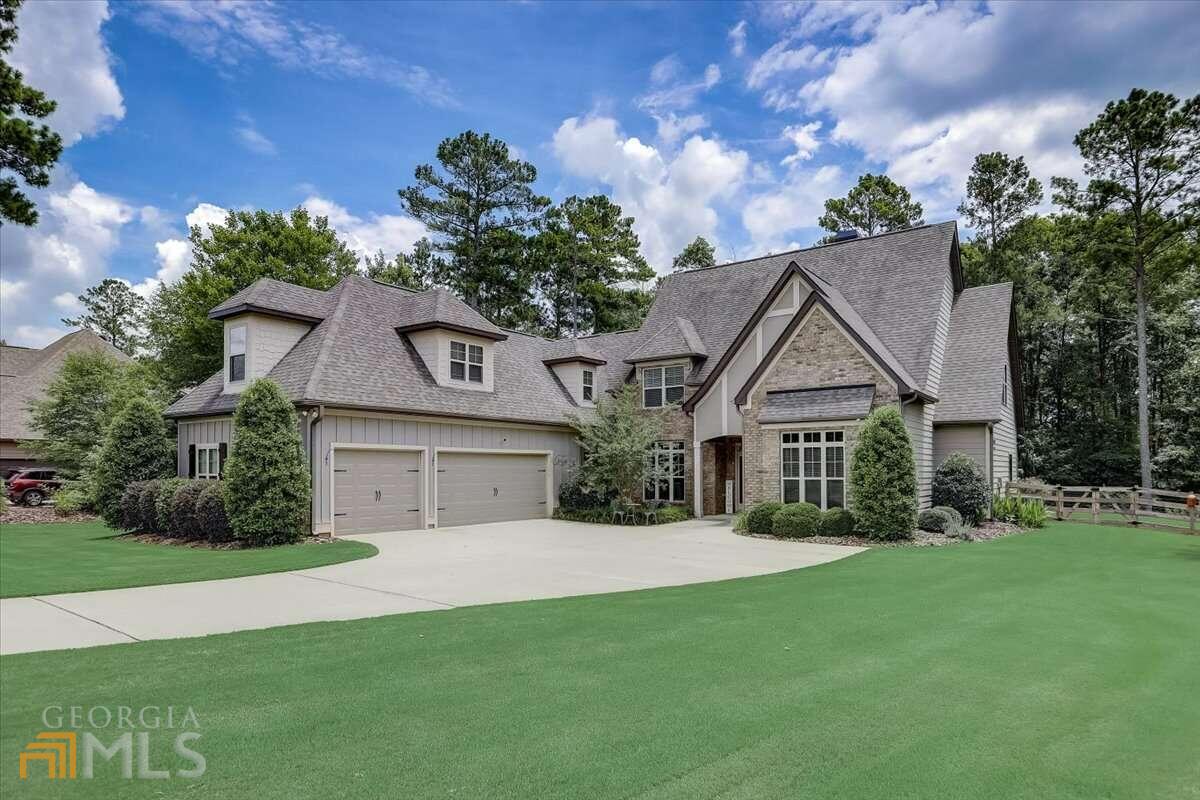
(976, 352)
(815, 404)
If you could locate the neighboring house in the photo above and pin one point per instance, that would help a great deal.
(415, 411)
(24, 375)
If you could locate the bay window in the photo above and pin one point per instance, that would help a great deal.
(813, 468)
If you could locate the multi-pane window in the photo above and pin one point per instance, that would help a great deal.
(208, 461)
(664, 474)
(813, 468)
(662, 386)
(237, 354)
(588, 385)
(466, 362)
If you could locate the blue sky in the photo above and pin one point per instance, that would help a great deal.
(730, 120)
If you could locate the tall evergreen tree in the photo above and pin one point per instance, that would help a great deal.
(696, 255)
(249, 245)
(114, 312)
(27, 148)
(876, 204)
(1142, 156)
(1000, 192)
(479, 193)
(136, 448)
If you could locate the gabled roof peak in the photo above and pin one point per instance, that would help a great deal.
(677, 339)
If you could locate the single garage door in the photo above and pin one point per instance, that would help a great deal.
(489, 487)
(376, 490)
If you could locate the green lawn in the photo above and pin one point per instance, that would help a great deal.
(1059, 664)
(81, 556)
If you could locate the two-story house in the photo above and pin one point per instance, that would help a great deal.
(415, 411)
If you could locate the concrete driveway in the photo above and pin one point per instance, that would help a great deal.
(414, 571)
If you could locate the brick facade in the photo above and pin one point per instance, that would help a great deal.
(818, 355)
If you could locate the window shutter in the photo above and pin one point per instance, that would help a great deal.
(191, 460)
(222, 451)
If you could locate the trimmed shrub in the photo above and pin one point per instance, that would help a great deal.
(574, 496)
(837, 522)
(212, 523)
(796, 520)
(70, 500)
(183, 510)
(760, 518)
(955, 517)
(268, 488)
(135, 448)
(148, 506)
(934, 520)
(129, 508)
(960, 484)
(673, 514)
(163, 505)
(739, 522)
(883, 477)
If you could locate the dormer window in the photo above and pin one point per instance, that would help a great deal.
(662, 385)
(466, 362)
(237, 354)
(588, 385)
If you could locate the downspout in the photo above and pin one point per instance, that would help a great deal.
(317, 415)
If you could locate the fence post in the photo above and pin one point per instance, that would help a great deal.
(1191, 507)
(1058, 495)
(1095, 505)
(1133, 504)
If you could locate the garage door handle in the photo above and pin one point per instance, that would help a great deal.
(414, 509)
(441, 508)
(341, 470)
(541, 502)
(341, 514)
(414, 470)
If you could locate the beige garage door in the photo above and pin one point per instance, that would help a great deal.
(489, 487)
(376, 490)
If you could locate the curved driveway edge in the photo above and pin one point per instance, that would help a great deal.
(414, 571)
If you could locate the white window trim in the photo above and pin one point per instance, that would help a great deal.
(230, 355)
(589, 385)
(822, 445)
(668, 447)
(469, 349)
(215, 449)
(663, 385)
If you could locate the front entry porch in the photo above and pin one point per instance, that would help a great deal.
(721, 475)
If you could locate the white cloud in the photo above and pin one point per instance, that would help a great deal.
(737, 39)
(675, 95)
(61, 52)
(804, 139)
(174, 255)
(773, 217)
(781, 58)
(36, 335)
(251, 138)
(391, 233)
(671, 198)
(206, 215)
(672, 127)
(235, 31)
(68, 303)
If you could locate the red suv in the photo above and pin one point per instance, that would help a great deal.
(33, 486)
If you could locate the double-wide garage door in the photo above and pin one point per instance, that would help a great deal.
(380, 489)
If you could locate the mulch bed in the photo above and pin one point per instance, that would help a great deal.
(986, 531)
(40, 515)
(200, 544)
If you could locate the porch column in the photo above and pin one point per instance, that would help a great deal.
(697, 481)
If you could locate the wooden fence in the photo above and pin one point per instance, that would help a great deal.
(1120, 505)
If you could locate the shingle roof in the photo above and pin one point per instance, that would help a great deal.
(820, 403)
(566, 350)
(437, 307)
(272, 296)
(670, 341)
(976, 352)
(25, 373)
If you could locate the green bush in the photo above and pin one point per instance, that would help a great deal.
(71, 499)
(269, 491)
(603, 516)
(164, 503)
(573, 495)
(212, 523)
(673, 514)
(883, 477)
(1005, 509)
(934, 520)
(760, 519)
(135, 448)
(960, 484)
(129, 507)
(796, 520)
(955, 517)
(148, 506)
(837, 522)
(184, 523)
(1031, 514)
(739, 522)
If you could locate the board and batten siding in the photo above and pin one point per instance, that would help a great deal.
(1004, 438)
(918, 419)
(970, 438)
(353, 428)
(213, 430)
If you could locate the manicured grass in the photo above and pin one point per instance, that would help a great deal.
(1058, 664)
(81, 556)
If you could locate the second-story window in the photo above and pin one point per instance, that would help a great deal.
(466, 362)
(588, 385)
(662, 386)
(237, 354)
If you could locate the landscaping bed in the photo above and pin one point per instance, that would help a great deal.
(40, 515)
(985, 532)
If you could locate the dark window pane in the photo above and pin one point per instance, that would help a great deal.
(648, 491)
(587, 392)
(653, 398)
(674, 394)
(476, 373)
(836, 491)
(791, 491)
(237, 368)
(673, 376)
(678, 489)
(812, 492)
(457, 370)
